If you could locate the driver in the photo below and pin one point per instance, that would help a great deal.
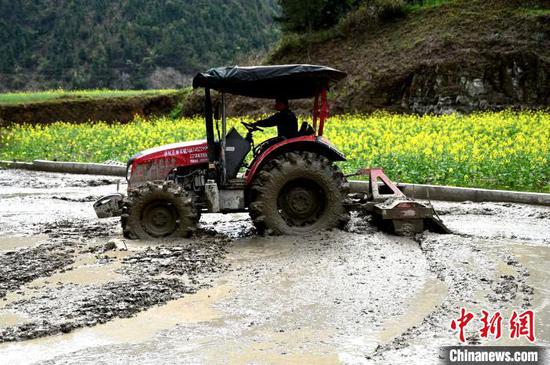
(284, 119)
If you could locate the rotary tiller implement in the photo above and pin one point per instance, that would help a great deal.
(390, 208)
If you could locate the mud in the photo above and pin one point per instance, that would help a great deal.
(75, 291)
(89, 305)
(195, 258)
(22, 266)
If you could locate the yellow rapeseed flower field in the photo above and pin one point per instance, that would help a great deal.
(509, 150)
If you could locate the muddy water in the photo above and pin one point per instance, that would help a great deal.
(12, 242)
(277, 348)
(419, 306)
(87, 269)
(331, 298)
(84, 271)
(9, 318)
(142, 327)
(535, 258)
(30, 198)
(270, 307)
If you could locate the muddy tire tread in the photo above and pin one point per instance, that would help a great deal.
(168, 190)
(273, 175)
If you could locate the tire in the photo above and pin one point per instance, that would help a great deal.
(297, 193)
(158, 209)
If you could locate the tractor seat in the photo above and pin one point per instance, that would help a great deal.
(306, 130)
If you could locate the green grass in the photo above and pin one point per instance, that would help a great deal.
(534, 11)
(51, 95)
(504, 150)
(426, 4)
(304, 42)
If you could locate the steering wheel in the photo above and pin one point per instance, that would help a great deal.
(251, 127)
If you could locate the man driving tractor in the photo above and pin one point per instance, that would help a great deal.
(284, 119)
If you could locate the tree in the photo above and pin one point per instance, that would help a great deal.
(76, 43)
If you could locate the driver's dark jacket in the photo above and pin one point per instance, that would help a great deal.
(286, 122)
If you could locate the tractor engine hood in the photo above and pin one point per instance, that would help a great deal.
(156, 163)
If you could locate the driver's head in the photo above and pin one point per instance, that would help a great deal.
(281, 104)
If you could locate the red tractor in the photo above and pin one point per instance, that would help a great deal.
(291, 186)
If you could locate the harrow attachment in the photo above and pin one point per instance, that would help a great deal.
(390, 208)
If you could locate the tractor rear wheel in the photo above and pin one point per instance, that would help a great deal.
(299, 192)
(159, 209)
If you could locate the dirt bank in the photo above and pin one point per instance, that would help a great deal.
(116, 109)
(463, 56)
(358, 296)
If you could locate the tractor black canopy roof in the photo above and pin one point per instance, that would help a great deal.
(287, 81)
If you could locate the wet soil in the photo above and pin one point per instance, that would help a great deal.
(19, 267)
(74, 291)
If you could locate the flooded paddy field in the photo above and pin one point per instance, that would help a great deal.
(73, 290)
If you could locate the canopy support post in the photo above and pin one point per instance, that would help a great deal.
(223, 142)
(209, 126)
(324, 111)
(315, 112)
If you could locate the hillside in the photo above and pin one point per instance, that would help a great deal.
(137, 44)
(459, 55)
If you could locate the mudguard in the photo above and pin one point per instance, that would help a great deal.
(311, 143)
(109, 206)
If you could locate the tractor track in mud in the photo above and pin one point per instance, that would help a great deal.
(39, 261)
(388, 299)
(145, 278)
(466, 288)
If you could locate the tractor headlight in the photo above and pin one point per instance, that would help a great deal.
(129, 172)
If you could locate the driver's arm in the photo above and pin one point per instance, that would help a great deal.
(271, 121)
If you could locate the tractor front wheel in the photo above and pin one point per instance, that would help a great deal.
(158, 209)
(299, 192)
